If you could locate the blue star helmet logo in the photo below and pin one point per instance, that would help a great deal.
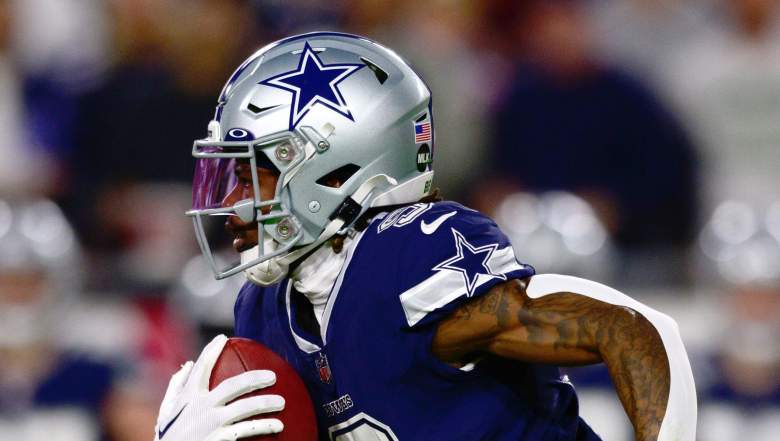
(312, 83)
(470, 261)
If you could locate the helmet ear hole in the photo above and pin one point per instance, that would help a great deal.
(339, 176)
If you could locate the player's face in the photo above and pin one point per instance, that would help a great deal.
(245, 233)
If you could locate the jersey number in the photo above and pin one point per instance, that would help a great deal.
(361, 427)
(403, 216)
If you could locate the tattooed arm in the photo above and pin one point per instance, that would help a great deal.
(565, 328)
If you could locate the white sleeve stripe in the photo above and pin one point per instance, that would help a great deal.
(679, 423)
(446, 286)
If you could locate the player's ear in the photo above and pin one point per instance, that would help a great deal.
(339, 176)
(332, 182)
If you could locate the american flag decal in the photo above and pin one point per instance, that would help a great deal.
(422, 132)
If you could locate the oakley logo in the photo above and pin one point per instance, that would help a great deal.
(433, 226)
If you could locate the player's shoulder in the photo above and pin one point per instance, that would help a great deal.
(425, 233)
(430, 221)
(440, 254)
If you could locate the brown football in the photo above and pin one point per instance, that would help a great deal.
(242, 355)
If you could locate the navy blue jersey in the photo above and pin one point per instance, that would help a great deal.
(370, 370)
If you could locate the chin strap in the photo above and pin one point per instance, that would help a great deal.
(344, 215)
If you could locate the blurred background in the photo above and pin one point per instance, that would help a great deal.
(633, 142)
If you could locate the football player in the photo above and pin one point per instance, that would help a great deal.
(408, 317)
(52, 386)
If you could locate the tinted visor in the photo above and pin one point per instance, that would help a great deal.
(213, 180)
(215, 177)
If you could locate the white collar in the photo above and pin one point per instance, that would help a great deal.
(315, 276)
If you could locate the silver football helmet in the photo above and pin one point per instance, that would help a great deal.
(40, 271)
(312, 107)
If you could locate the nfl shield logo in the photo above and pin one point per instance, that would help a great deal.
(323, 368)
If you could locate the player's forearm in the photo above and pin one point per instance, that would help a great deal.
(638, 365)
(644, 353)
(570, 328)
(565, 320)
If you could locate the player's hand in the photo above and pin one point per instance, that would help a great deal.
(190, 412)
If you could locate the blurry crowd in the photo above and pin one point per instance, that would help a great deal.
(634, 142)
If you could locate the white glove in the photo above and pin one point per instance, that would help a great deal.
(190, 412)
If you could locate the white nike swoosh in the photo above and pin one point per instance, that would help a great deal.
(430, 228)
